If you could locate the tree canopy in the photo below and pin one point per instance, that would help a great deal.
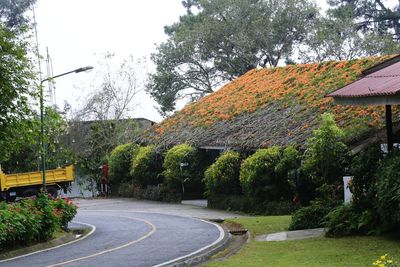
(15, 79)
(352, 29)
(12, 12)
(217, 41)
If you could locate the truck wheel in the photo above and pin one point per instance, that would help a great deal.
(52, 191)
(30, 193)
(11, 199)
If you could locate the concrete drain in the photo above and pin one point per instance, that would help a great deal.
(238, 232)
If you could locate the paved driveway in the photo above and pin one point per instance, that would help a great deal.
(133, 233)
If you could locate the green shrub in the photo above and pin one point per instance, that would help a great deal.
(222, 177)
(151, 192)
(120, 162)
(310, 217)
(146, 167)
(388, 192)
(326, 157)
(283, 207)
(65, 210)
(19, 224)
(181, 177)
(363, 185)
(342, 221)
(230, 202)
(260, 179)
(326, 154)
(33, 220)
(49, 221)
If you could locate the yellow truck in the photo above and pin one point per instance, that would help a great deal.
(30, 183)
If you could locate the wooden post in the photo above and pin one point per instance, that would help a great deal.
(389, 127)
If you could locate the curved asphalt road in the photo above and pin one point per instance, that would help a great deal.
(125, 238)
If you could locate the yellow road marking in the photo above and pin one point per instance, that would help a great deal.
(153, 229)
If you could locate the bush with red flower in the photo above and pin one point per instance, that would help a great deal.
(33, 220)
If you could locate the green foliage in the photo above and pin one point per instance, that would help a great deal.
(93, 147)
(102, 124)
(15, 81)
(363, 185)
(120, 161)
(389, 192)
(310, 217)
(326, 157)
(146, 166)
(26, 149)
(179, 177)
(352, 29)
(373, 18)
(151, 192)
(375, 196)
(49, 221)
(261, 179)
(65, 209)
(243, 203)
(13, 13)
(33, 220)
(230, 202)
(222, 177)
(222, 40)
(289, 161)
(342, 221)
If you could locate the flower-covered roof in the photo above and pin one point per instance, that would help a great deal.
(271, 106)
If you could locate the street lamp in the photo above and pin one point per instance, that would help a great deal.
(43, 150)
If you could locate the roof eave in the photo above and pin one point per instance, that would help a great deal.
(379, 100)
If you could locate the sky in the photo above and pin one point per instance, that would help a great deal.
(78, 33)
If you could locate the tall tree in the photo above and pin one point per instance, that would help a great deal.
(216, 41)
(347, 32)
(103, 122)
(15, 88)
(372, 15)
(13, 12)
(24, 149)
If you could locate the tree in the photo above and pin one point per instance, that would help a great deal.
(333, 38)
(24, 150)
(217, 41)
(353, 29)
(103, 123)
(112, 99)
(372, 15)
(326, 157)
(15, 89)
(13, 12)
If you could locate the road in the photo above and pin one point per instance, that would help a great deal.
(129, 233)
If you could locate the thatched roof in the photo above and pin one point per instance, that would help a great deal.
(270, 106)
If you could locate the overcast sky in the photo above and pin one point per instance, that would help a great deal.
(78, 32)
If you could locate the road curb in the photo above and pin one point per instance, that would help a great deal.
(204, 254)
(50, 245)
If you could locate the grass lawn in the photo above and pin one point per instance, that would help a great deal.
(347, 251)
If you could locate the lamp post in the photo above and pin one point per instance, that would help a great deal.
(43, 149)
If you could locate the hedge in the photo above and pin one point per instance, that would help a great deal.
(222, 177)
(263, 178)
(146, 167)
(120, 162)
(182, 169)
(33, 220)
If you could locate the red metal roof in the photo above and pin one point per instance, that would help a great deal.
(383, 82)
